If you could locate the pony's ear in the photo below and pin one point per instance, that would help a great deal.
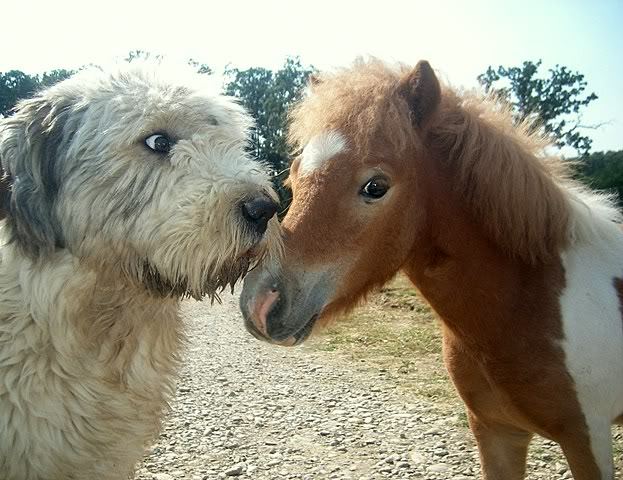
(29, 146)
(421, 89)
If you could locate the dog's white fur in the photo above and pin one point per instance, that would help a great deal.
(103, 237)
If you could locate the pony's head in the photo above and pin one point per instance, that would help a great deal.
(358, 198)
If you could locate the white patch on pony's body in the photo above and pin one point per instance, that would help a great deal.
(320, 149)
(593, 328)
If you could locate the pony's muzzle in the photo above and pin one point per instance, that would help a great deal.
(278, 308)
(264, 313)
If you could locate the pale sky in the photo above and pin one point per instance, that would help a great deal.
(459, 38)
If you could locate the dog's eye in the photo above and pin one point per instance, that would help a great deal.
(374, 188)
(159, 143)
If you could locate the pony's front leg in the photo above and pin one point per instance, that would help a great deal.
(589, 457)
(503, 450)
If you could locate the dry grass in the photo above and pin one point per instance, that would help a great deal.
(396, 332)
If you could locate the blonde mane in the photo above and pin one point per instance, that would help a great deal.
(522, 196)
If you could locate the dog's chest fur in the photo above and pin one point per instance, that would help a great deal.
(87, 366)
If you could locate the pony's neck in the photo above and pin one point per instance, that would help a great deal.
(503, 177)
(473, 285)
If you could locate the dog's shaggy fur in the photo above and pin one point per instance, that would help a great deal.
(103, 236)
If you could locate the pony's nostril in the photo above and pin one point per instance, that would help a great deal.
(261, 310)
(258, 211)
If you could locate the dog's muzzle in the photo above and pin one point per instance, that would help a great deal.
(258, 211)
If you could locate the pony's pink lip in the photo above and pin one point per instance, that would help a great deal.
(262, 308)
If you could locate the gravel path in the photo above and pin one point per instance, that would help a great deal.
(254, 411)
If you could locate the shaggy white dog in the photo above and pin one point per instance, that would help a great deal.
(128, 191)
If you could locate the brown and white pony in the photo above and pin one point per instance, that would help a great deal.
(523, 267)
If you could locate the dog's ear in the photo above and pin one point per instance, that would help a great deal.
(421, 90)
(29, 150)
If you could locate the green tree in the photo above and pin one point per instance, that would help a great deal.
(556, 100)
(200, 67)
(15, 85)
(268, 95)
(603, 171)
(143, 55)
(47, 79)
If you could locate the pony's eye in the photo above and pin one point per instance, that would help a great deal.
(159, 143)
(375, 188)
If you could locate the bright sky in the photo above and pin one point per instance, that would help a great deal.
(459, 38)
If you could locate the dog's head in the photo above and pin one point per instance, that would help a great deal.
(139, 170)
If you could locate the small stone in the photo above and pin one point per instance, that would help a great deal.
(417, 458)
(392, 458)
(168, 458)
(438, 468)
(235, 470)
(163, 476)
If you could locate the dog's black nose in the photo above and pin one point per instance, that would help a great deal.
(258, 211)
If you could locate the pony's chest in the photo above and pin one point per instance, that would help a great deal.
(591, 310)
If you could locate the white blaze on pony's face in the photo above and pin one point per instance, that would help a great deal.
(355, 208)
(320, 150)
(97, 156)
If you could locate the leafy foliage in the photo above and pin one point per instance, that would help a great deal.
(265, 93)
(143, 55)
(200, 67)
(603, 171)
(15, 85)
(268, 95)
(556, 100)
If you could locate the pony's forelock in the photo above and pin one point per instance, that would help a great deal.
(359, 100)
